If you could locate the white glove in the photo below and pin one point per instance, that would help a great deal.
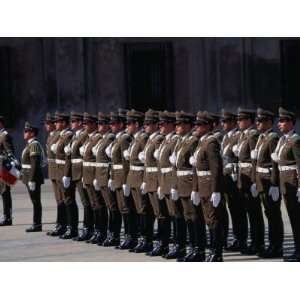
(126, 154)
(195, 198)
(235, 150)
(68, 149)
(31, 185)
(174, 194)
(94, 150)
(111, 185)
(96, 185)
(234, 176)
(274, 193)
(141, 156)
(298, 195)
(172, 159)
(156, 154)
(108, 150)
(253, 190)
(143, 188)
(215, 199)
(192, 161)
(66, 181)
(81, 150)
(253, 154)
(54, 148)
(126, 190)
(274, 157)
(160, 195)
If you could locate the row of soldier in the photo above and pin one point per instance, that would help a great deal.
(185, 171)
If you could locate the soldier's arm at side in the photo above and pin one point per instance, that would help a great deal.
(252, 144)
(296, 153)
(35, 162)
(275, 172)
(68, 164)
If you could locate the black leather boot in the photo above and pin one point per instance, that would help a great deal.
(6, 221)
(159, 250)
(272, 252)
(195, 255)
(143, 246)
(84, 234)
(94, 237)
(176, 252)
(61, 223)
(214, 256)
(128, 243)
(295, 257)
(70, 233)
(34, 228)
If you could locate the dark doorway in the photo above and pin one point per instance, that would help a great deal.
(290, 66)
(149, 74)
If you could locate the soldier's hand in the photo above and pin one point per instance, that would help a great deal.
(174, 194)
(111, 185)
(31, 186)
(195, 198)
(253, 190)
(126, 190)
(215, 199)
(160, 195)
(96, 185)
(66, 181)
(143, 188)
(298, 195)
(235, 150)
(274, 193)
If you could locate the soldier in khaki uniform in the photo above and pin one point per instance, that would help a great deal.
(53, 136)
(150, 182)
(287, 155)
(266, 180)
(135, 180)
(246, 143)
(231, 193)
(32, 175)
(102, 151)
(64, 172)
(89, 171)
(207, 187)
(167, 180)
(6, 150)
(78, 139)
(192, 212)
(119, 172)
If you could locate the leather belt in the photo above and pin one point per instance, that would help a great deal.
(89, 164)
(287, 168)
(166, 170)
(230, 165)
(263, 170)
(60, 162)
(203, 173)
(50, 160)
(151, 169)
(102, 165)
(76, 160)
(136, 168)
(184, 173)
(245, 165)
(117, 167)
(25, 166)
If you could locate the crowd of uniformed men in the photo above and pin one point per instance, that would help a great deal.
(185, 171)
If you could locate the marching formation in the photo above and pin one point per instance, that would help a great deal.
(189, 173)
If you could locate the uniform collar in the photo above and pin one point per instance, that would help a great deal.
(186, 136)
(119, 133)
(52, 132)
(265, 133)
(231, 132)
(169, 135)
(153, 135)
(290, 133)
(203, 137)
(30, 140)
(92, 133)
(248, 129)
(78, 132)
(64, 131)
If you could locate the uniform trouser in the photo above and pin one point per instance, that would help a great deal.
(115, 220)
(70, 203)
(99, 208)
(255, 215)
(194, 219)
(88, 217)
(61, 216)
(35, 197)
(214, 218)
(293, 209)
(145, 212)
(237, 211)
(7, 202)
(161, 214)
(128, 212)
(175, 211)
(275, 223)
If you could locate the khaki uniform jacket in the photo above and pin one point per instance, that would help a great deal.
(167, 180)
(218, 134)
(120, 172)
(51, 140)
(208, 159)
(135, 178)
(265, 146)
(288, 152)
(184, 150)
(6, 143)
(77, 141)
(32, 157)
(102, 173)
(247, 142)
(63, 159)
(151, 166)
(89, 160)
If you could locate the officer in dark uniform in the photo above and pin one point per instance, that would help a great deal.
(287, 155)
(6, 150)
(32, 175)
(266, 179)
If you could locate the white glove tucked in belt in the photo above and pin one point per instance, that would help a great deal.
(68, 149)
(66, 181)
(274, 193)
(174, 194)
(126, 190)
(235, 150)
(108, 150)
(96, 185)
(31, 185)
(195, 198)
(111, 185)
(141, 157)
(215, 199)
(172, 159)
(143, 188)
(192, 161)
(298, 195)
(126, 154)
(54, 148)
(156, 154)
(253, 190)
(160, 195)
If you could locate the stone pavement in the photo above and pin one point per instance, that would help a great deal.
(16, 245)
